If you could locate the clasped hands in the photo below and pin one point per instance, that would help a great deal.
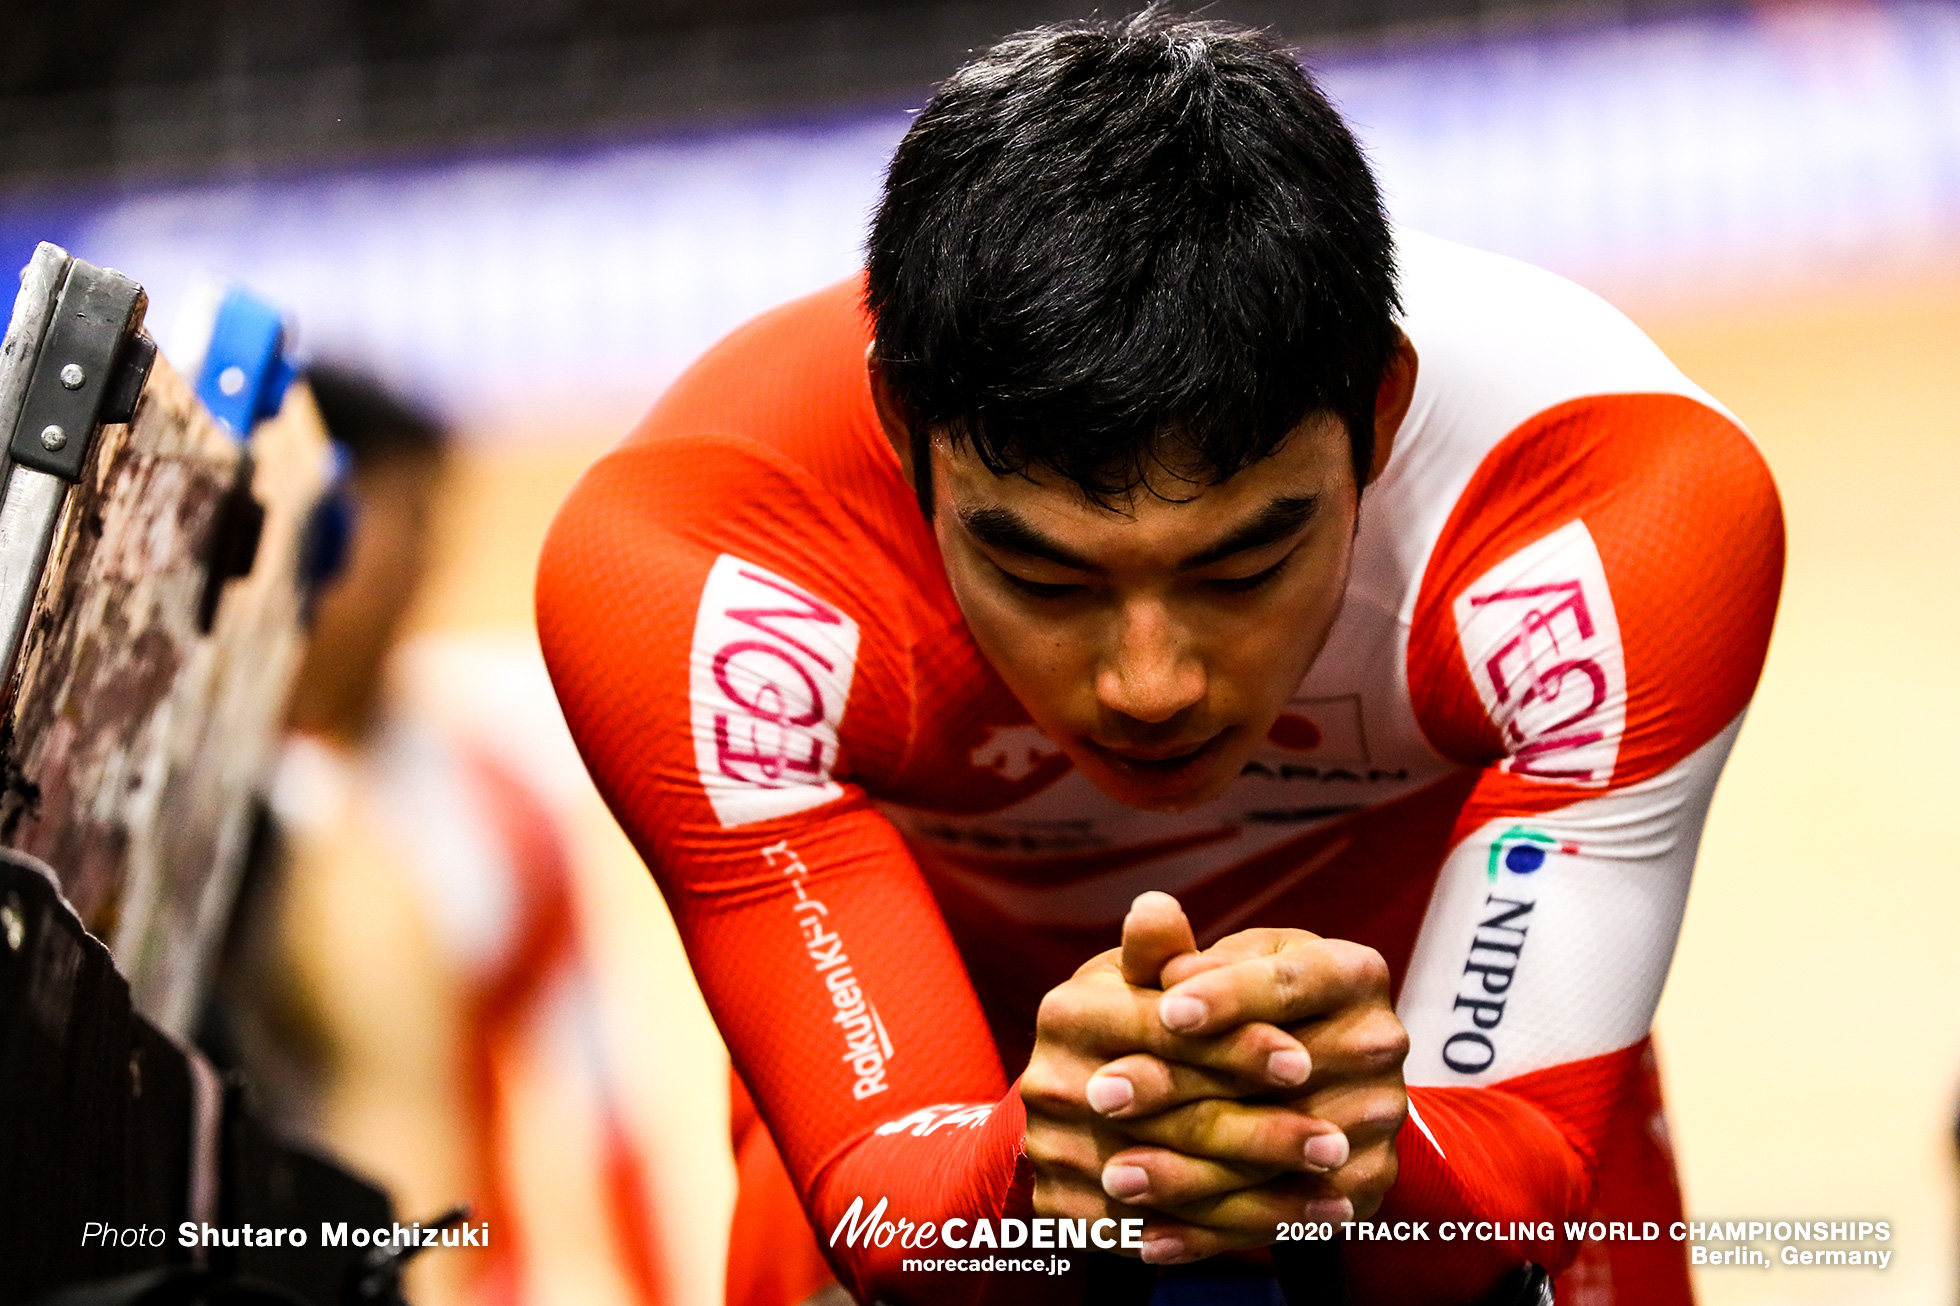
(1218, 1094)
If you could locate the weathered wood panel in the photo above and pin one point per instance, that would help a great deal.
(135, 739)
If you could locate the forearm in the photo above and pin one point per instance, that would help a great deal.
(918, 1189)
(851, 1020)
(1493, 1176)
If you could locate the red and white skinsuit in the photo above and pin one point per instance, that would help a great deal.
(1495, 774)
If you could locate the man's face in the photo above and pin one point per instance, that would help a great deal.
(1155, 641)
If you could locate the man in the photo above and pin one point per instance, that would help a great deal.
(939, 632)
(409, 948)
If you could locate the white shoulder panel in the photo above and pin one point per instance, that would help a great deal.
(1501, 340)
(1498, 341)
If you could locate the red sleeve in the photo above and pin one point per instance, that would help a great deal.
(1590, 627)
(732, 661)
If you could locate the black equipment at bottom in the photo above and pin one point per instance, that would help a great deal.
(121, 1146)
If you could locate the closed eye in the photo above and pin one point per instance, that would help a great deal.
(1246, 584)
(1037, 589)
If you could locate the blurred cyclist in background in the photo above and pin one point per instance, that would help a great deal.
(409, 956)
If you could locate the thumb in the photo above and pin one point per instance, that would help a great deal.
(1155, 931)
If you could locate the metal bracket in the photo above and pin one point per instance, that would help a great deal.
(85, 374)
(73, 360)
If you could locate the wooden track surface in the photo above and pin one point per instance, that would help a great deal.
(1810, 1032)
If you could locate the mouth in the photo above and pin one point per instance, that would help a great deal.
(1163, 763)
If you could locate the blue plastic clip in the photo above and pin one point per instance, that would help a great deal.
(329, 535)
(245, 373)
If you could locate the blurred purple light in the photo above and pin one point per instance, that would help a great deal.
(1681, 158)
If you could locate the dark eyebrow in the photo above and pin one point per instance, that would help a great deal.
(1004, 529)
(1272, 523)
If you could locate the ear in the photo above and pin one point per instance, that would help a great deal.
(909, 442)
(1398, 388)
(891, 413)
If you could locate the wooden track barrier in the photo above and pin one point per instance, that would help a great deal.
(153, 668)
(152, 594)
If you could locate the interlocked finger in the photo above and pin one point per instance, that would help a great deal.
(1304, 979)
(1240, 1133)
(1143, 1085)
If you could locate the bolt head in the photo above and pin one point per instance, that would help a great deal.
(53, 437)
(72, 376)
(232, 381)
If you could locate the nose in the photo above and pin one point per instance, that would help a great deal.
(1151, 672)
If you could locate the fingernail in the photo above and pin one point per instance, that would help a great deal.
(1181, 1012)
(1110, 1093)
(1332, 1210)
(1161, 1251)
(1125, 1182)
(1289, 1067)
(1327, 1151)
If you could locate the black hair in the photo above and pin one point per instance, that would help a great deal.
(1108, 246)
(373, 422)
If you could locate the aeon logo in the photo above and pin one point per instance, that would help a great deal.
(1542, 644)
(768, 677)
